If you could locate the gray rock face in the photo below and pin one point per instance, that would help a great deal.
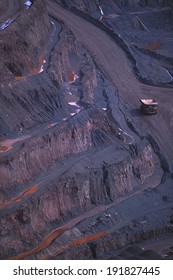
(22, 41)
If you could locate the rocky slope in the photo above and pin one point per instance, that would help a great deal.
(142, 28)
(80, 176)
(23, 40)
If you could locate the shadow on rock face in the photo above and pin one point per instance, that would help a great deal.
(135, 252)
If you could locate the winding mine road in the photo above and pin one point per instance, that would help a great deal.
(113, 62)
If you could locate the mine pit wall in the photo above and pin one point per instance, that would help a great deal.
(38, 103)
(78, 193)
(29, 33)
(126, 236)
(60, 65)
(111, 245)
(26, 224)
(40, 153)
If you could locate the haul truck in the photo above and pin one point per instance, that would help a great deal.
(148, 106)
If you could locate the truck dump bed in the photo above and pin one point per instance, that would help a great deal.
(148, 101)
(148, 106)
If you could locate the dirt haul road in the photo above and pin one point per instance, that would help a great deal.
(115, 65)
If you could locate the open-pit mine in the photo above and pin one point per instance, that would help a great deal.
(84, 173)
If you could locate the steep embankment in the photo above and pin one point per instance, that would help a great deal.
(23, 40)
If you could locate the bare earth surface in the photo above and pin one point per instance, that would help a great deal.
(83, 174)
(113, 62)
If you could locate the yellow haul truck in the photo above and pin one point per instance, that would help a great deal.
(148, 106)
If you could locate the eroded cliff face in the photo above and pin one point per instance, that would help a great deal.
(23, 40)
(65, 171)
(42, 151)
(70, 192)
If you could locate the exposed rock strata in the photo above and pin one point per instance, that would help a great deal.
(73, 188)
(72, 193)
(41, 152)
